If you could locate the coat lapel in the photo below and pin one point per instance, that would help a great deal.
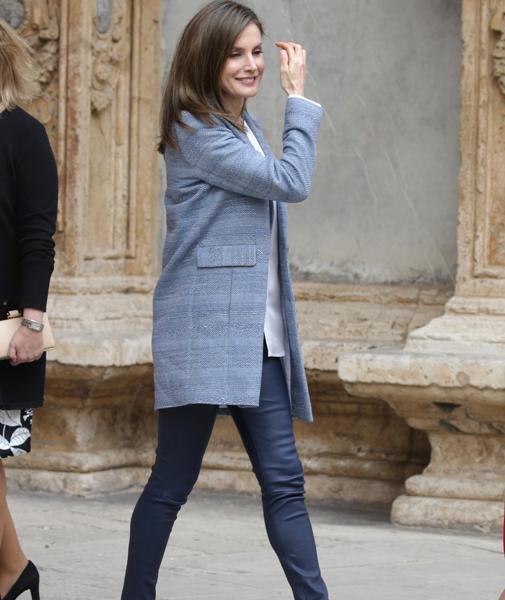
(281, 210)
(241, 136)
(282, 224)
(256, 129)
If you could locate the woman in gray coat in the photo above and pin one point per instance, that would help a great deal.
(225, 332)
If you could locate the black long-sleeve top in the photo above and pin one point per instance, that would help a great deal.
(28, 205)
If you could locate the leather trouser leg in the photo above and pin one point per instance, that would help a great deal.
(267, 434)
(183, 435)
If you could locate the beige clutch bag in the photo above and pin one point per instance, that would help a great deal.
(9, 327)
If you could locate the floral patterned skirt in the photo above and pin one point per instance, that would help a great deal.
(15, 432)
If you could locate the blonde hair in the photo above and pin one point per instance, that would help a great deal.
(18, 79)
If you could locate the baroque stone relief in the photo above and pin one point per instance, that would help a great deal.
(103, 12)
(112, 40)
(110, 49)
(498, 26)
(488, 125)
(40, 26)
(481, 231)
(12, 11)
(497, 210)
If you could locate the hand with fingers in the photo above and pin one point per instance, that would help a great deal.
(25, 346)
(293, 67)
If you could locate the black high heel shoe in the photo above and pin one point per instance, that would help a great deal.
(28, 580)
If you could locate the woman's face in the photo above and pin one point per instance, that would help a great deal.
(242, 71)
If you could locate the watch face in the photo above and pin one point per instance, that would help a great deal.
(33, 325)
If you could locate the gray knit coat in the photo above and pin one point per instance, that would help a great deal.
(209, 303)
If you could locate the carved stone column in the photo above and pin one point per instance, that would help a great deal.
(99, 73)
(449, 380)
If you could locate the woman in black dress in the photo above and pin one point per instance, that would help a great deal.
(28, 201)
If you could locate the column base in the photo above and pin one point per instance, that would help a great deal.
(448, 381)
(448, 513)
(97, 431)
(318, 487)
(78, 484)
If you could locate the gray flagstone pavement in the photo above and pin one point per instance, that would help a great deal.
(219, 550)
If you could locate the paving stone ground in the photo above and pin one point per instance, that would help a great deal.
(219, 550)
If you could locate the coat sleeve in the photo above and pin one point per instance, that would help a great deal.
(36, 206)
(222, 159)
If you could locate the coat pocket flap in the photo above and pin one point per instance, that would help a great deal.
(236, 255)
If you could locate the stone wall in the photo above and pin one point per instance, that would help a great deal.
(397, 383)
(383, 207)
(448, 380)
(98, 69)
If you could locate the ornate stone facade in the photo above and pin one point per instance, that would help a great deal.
(498, 26)
(96, 432)
(358, 449)
(39, 23)
(449, 379)
(416, 378)
(99, 75)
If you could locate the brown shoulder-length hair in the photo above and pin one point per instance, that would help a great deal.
(202, 50)
(18, 79)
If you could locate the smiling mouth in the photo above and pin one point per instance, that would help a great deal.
(247, 80)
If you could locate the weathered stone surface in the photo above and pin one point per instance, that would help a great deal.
(96, 432)
(101, 84)
(482, 516)
(219, 550)
(449, 379)
(318, 487)
(478, 488)
(99, 69)
(335, 319)
(13, 12)
(357, 449)
(77, 484)
(98, 422)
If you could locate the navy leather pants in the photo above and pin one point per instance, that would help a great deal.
(267, 434)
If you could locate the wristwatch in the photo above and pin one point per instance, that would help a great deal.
(33, 325)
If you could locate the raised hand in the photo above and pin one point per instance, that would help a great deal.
(293, 67)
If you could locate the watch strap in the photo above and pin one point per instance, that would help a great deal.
(33, 325)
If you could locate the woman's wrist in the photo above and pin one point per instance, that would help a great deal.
(33, 314)
(305, 99)
(297, 92)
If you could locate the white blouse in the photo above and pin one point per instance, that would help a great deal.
(274, 323)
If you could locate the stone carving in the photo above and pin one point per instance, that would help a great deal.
(103, 19)
(110, 47)
(41, 29)
(40, 26)
(13, 12)
(497, 237)
(498, 26)
(448, 380)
